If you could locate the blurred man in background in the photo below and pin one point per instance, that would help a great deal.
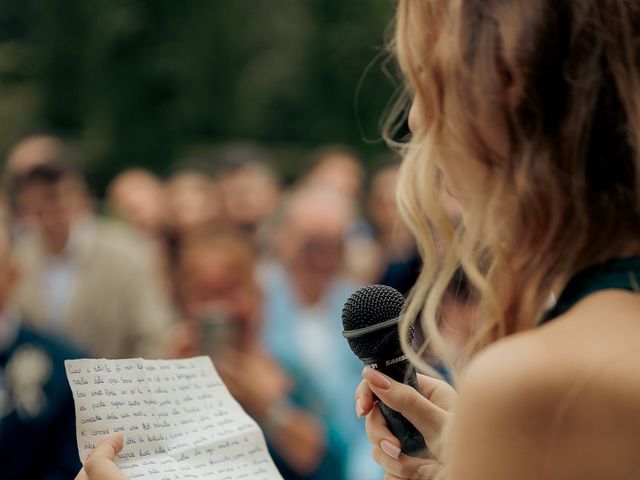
(84, 277)
(195, 202)
(31, 151)
(390, 232)
(305, 292)
(338, 168)
(34, 151)
(37, 427)
(138, 197)
(250, 188)
(222, 302)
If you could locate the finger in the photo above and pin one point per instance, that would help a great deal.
(109, 446)
(364, 399)
(427, 476)
(389, 476)
(406, 466)
(379, 435)
(428, 385)
(422, 413)
(437, 391)
(82, 475)
(100, 464)
(428, 471)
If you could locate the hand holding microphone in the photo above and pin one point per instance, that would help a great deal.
(427, 409)
(413, 408)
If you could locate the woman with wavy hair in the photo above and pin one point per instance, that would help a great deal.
(528, 112)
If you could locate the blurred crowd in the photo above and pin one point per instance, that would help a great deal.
(222, 261)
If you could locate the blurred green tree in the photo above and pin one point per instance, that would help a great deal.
(143, 82)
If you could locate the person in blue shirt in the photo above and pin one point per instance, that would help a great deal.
(305, 291)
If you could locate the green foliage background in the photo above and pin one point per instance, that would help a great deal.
(146, 82)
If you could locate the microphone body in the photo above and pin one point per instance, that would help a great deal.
(370, 319)
(411, 441)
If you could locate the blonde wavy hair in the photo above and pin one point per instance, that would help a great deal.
(566, 194)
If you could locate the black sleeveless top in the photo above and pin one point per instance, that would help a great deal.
(620, 274)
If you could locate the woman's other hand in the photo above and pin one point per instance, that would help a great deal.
(427, 410)
(100, 465)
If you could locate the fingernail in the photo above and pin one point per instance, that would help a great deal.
(359, 409)
(390, 449)
(377, 379)
(427, 471)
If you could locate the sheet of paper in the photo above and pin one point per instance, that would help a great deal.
(178, 419)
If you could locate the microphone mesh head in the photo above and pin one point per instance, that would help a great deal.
(370, 306)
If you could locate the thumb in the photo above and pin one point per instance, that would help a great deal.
(423, 414)
(100, 464)
(109, 446)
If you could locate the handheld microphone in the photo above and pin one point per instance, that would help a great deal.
(370, 320)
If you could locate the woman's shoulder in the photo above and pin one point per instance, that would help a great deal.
(601, 331)
(502, 415)
(521, 373)
(595, 328)
(555, 388)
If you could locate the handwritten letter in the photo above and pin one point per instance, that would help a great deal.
(178, 419)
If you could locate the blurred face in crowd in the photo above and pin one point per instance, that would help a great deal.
(313, 235)
(139, 197)
(33, 151)
(53, 210)
(218, 277)
(382, 200)
(36, 151)
(340, 172)
(250, 194)
(194, 201)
